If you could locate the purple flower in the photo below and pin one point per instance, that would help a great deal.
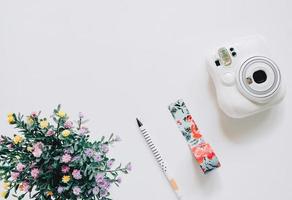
(99, 177)
(110, 163)
(75, 158)
(68, 124)
(76, 190)
(89, 152)
(83, 131)
(76, 174)
(95, 190)
(103, 193)
(129, 167)
(104, 148)
(81, 115)
(97, 158)
(119, 179)
(60, 189)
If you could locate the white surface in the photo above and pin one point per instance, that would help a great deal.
(116, 60)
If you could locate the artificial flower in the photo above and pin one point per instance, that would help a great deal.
(95, 190)
(50, 193)
(61, 114)
(76, 174)
(76, 190)
(38, 149)
(14, 175)
(41, 163)
(29, 149)
(66, 179)
(66, 133)
(35, 173)
(104, 148)
(66, 158)
(24, 186)
(17, 139)
(20, 167)
(10, 118)
(44, 124)
(129, 166)
(6, 185)
(68, 124)
(60, 189)
(65, 169)
(29, 121)
(50, 133)
(3, 194)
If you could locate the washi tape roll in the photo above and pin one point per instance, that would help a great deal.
(202, 151)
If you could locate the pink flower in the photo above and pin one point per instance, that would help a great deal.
(76, 174)
(65, 169)
(68, 124)
(50, 133)
(37, 149)
(66, 158)
(35, 173)
(37, 152)
(14, 175)
(34, 114)
(20, 167)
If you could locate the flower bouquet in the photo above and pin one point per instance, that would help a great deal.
(56, 160)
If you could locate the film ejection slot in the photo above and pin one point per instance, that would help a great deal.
(224, 56)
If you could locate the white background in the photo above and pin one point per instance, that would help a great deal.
(116, 60)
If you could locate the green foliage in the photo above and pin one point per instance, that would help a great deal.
(56, 160)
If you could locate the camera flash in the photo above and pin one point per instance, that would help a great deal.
(225, 56)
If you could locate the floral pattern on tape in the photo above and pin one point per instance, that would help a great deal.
(202, 151)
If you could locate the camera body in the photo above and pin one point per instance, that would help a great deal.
(246, 78)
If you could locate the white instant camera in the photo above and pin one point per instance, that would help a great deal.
(246, 78)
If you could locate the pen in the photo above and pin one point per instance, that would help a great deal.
(162, 164)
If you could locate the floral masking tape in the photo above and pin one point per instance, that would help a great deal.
(202, 151)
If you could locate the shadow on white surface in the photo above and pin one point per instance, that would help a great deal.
(244, 129)
(208, 183)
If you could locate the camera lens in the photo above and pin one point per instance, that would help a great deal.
(259, 76)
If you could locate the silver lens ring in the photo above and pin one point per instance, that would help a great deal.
(269, 65)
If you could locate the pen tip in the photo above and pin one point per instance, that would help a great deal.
(139, 122)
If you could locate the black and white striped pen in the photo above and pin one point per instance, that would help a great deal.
(159, 159)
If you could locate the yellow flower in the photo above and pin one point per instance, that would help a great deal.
(3, 194)
(50, 193)
(6, 185)
(29, 121)
(66, 179)
(29, 149)
(66, 133)
(61, 114)
(17, 139)
(10, 118)
(44, 124)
